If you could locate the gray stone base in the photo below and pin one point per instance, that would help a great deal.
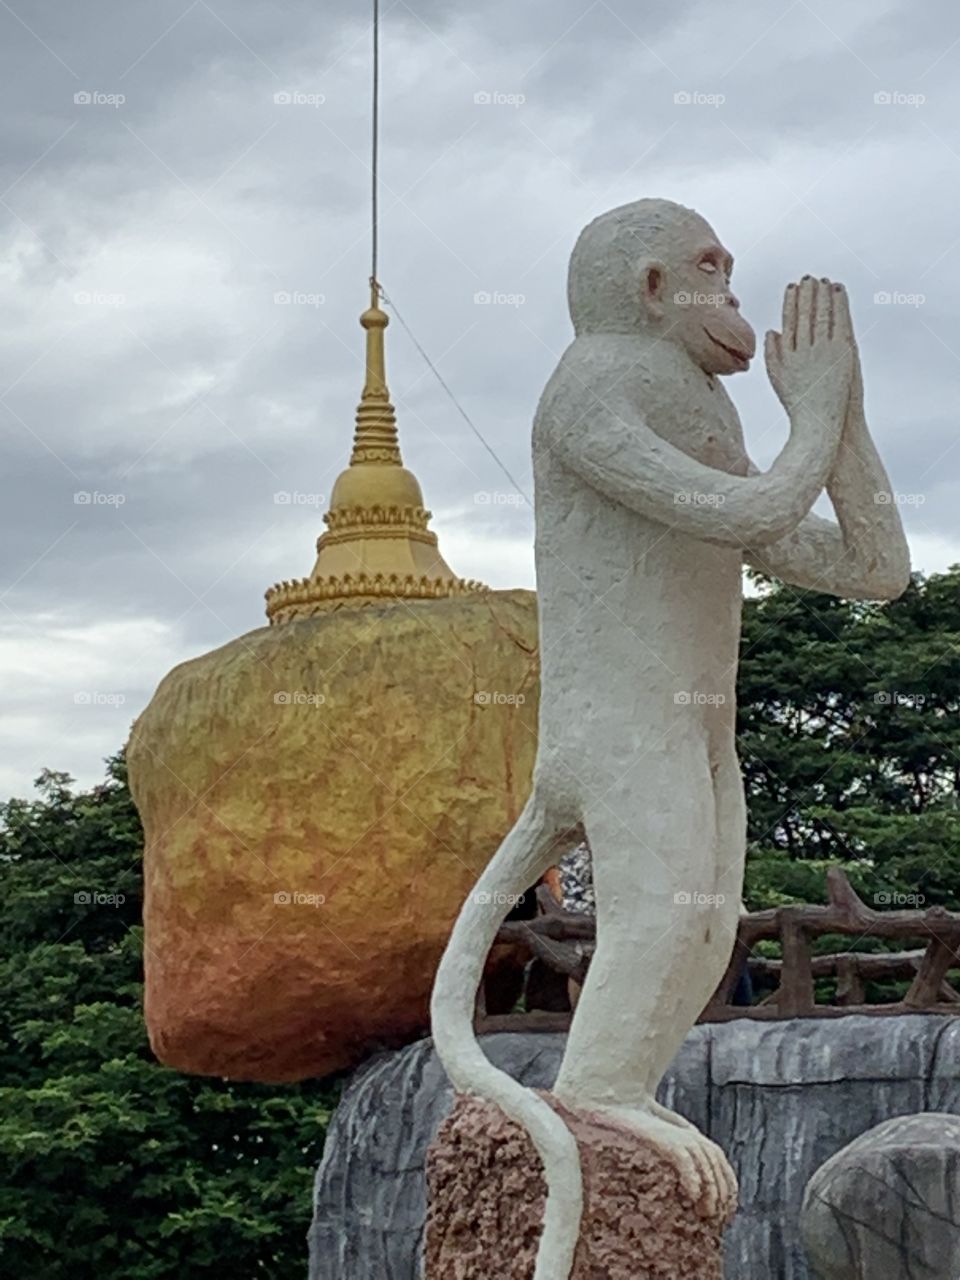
(889, 1203)
(779, 1097)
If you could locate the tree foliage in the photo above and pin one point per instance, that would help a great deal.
(114, 1165)
(849, 738)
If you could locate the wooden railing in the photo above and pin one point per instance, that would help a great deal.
(563, 943)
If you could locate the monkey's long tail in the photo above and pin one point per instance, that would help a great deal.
(522, 858)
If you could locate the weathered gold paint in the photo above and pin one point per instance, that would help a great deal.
(349, 756)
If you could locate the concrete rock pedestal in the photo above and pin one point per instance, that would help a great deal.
(779, 1098)
(888, 1204)
(486, 1195)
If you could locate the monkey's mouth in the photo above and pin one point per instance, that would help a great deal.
(740, 358)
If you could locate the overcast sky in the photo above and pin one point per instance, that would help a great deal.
(168, 169)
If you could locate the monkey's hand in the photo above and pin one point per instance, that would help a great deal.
(855, 416)
(810, 364)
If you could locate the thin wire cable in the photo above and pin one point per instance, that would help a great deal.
(375, 146)
(374, 254)
(456, 403)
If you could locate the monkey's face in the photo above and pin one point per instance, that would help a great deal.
(691, 295)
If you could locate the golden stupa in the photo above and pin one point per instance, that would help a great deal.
(378, 545)
(319, 795)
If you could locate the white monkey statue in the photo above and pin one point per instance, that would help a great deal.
(647, 506)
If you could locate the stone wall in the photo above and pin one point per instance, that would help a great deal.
(779, 1097)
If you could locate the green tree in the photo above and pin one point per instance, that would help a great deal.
(849, 736)
(115, 1166)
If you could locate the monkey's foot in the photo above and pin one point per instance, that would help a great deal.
(705, 1172)
(671, 1117)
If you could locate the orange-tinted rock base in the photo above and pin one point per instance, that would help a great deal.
(486, 1197)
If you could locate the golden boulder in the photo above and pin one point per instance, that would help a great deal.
(318, 799)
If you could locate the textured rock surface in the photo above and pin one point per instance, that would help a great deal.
(315, 759)
(780, 1098)
(889, 1204)
(486, 1205)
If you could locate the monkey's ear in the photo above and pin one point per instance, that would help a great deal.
(653, 282)
(652, 286)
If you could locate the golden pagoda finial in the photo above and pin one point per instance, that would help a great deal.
(375, 438)
(378, 546)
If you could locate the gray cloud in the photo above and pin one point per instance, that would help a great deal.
(143, 353)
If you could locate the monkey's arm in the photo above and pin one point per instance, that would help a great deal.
(863, 557)
(811, 367)
(615, 452)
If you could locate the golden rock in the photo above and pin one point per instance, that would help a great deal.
(318, 799)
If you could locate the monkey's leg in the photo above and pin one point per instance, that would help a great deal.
(731, 820)
(725, 887)
(654, 842)
(732, 851)
(653, 839)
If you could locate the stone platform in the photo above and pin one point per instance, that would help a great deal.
(779, 1097)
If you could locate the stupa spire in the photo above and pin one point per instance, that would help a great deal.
(378, 545)
(375, 438)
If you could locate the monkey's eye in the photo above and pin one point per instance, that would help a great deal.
(709, 266)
